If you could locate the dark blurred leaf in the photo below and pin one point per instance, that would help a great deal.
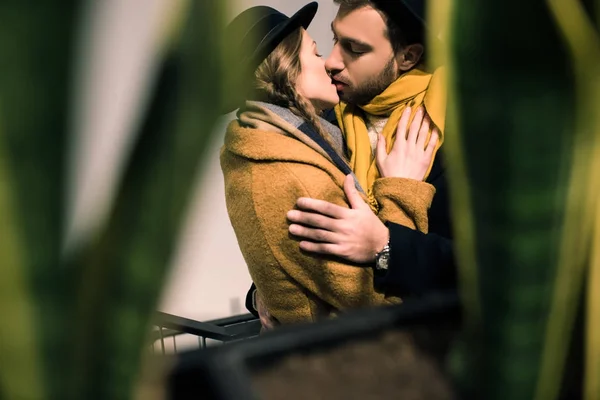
(125, 269)
(21, 364)
(513, 105)
(36, 39)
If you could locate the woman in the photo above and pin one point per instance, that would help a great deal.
(279, 149)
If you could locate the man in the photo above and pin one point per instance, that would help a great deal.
(378, 47)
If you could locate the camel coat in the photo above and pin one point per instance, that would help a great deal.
(268, 163)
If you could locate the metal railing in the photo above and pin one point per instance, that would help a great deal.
(170, 330)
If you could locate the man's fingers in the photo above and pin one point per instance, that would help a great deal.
(318, 235)
(321, 248)
(311, 219)
(321, 207)
(352, 194)
(415, 126)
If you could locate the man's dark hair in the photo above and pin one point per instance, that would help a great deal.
(402, 30)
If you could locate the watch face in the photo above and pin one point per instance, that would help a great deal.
(383, 260)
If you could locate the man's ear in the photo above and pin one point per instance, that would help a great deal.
(409, 56)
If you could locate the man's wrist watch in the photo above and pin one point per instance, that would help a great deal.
(382, 259)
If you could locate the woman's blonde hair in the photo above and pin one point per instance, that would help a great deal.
(276, 76)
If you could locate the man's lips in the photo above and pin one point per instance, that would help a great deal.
(338, 85)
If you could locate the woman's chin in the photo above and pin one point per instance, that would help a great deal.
(325, 104)
(333, 102)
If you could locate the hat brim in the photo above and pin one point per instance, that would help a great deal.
(302, 18)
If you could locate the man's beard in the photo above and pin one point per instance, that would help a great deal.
(364, 93)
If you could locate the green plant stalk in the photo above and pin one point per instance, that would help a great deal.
(461, 203)
(35, 48)
(584, 190)
(20, 357)
(123, 272)
(460, 199)
(592, 366)
(513, 118)
(439, 44)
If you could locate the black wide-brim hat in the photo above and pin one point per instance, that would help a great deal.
(250, 38)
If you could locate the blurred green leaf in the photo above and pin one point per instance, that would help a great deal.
(592, 366)
(20, 361)
(125, 269)
(582, 39)
(510, 153)
(35, 53)
(524, 157)
(77, 328)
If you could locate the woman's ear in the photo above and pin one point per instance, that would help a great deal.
(409, 56)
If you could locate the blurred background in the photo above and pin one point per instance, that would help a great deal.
(208, 277)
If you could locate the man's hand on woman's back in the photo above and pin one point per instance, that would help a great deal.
(354, 234)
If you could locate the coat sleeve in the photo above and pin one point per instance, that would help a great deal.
(341, 285)
(419, 262)
(404, 201)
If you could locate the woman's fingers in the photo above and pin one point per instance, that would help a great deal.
(413, 132)
(433, 141)
(412, 152)
(381, 150)
(423, 133)
(401, 132)
(403, 124)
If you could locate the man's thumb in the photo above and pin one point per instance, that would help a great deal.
(351, 193)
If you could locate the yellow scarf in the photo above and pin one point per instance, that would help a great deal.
(414, 88)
